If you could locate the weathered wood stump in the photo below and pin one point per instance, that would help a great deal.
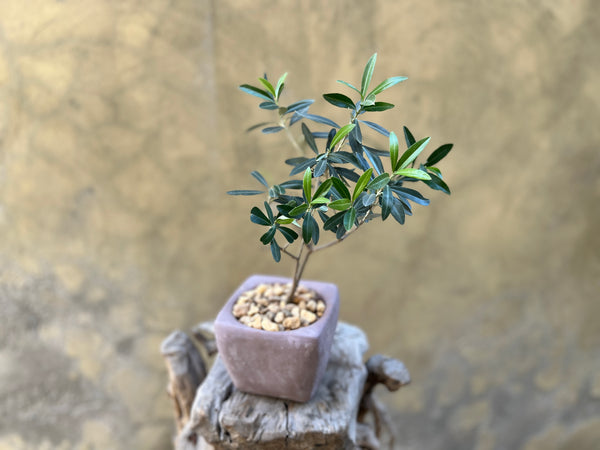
(222, 417)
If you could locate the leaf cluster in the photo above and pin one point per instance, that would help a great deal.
(344, 182)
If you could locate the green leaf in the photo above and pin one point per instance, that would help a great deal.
(307, 184)
(296, 106)
(345, 83)
(320, 168)
(349, 218)
(314, 229)
(284, 220)
(245, 192)
(393, 150)
(387, 201)
(258, 125)
(270, 130)
(438, 184)
(368, 199)
(323, 188)
(334, 221)
(269, 212)
(369, 101)
(341, 188)
(439, 154)
(339, 100)
(408, 137)
(268, 236)
(292, 184)
(268, 105)
(413, 173)
(279, 87)
(319, 201)
(412, 152)
(307, 228)
(361, 184)
(398, 211)
(275, 251)
(256, 174)
(268, 85)
(379, 182)
(341, 134)
(378, 106)
(309, 138)
(256, 92)
(367, 75)
(298, 210)
(289, 234)
(387, 83)
(340, 205)
(258, 217)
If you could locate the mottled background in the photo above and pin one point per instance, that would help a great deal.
(121, 127)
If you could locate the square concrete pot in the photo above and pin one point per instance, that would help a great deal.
(282, 364)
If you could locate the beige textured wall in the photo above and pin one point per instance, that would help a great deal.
(121, 128)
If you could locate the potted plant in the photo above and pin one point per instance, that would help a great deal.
(274, 334)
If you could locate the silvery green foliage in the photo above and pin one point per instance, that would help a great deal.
(344, 183)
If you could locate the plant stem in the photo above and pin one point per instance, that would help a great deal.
(300, 265)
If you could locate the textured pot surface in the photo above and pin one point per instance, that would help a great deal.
(283, 364)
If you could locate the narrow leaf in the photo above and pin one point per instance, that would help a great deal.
(268, 236)
(309, 138)
(279, 86)
(394, 150)
(413, 173)
(289, 234)
(340, 205)
(307, 228)
(258, 125)
(341, 134)
(268, 105)
(319, 119)
(339, 100)
(367, 75)
(319, 201)
(345, 83)
(302, 166)
(258, 217)
(376, 127)
(438, 184)
(334, 221)
(410, 194)
(269, 212)
(408, 137)
(245, 192)
(361, 184)
(256, 174)
(412, 152)
(387, 83)
(257, 92)
(341, 188)
(349, 218)
(378, 106)
(307, 184)
(378, 182)
(398, 212)
(369, 199)
(375, 160)
(323, 188)
(268, 85)
(387, 200)
(275, 251)
(298, 210)
(320, 168)
(297, 106)
(292, 184)
(439, 154)
(270, 130)
(282, 220)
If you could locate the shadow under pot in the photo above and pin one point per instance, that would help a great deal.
(281, 364)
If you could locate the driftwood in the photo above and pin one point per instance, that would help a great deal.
(222, 417)
(186, 372)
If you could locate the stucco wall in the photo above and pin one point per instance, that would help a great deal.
(121, 127)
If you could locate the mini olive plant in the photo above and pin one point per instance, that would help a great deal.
(346, 184)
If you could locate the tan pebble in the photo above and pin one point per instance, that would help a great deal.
(267, 325)
(256, 321)
(253, 310)
(302, 304)
(320, 313)
(241, 301)
(290, 306)
(261, 288)
(321, 306)
(301, 290)
(297, 299)
(245, 320)
(295, 311)
(308, 316)
(278, 289)
(273, 307)
(240, 310)
(311, 305)
(279, 317)
(291, 323)
(261, 301)
(281, 327)
(282, 304)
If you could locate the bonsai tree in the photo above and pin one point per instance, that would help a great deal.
(345, 183)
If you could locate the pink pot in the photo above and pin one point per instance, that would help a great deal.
(282, 364)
